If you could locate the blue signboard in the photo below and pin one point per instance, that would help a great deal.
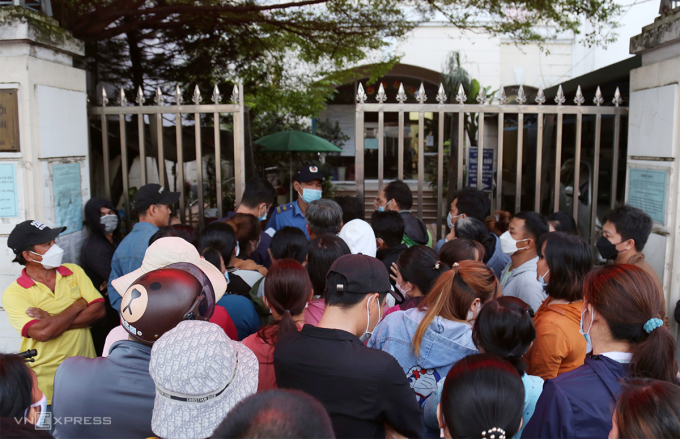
(487, 168)
(647, 191)
(67, 196)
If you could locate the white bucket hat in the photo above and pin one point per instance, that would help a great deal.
(359, 237)
(200, 375)
(167, 251)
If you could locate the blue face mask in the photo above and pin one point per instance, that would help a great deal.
(263, 218)
(587, 334)
(309, 195)
(541, 280)
(382, 208)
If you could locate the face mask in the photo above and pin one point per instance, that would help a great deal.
(42, 403)
(471, 315)
(309, 195)
(606, 248)
(541, 279)
(366, 335)
(509, 245)
(586, 335)
(238, 249)
(402, 291)
(263, 218)
(52, 257)
(382, 208)
(449, 219)
(226, 276)
(109, 222)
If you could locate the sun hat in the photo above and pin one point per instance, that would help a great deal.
(359, 237)
(200, 375)
(167, 251)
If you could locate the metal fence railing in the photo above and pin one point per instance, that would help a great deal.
(156, 111)
(500, 109)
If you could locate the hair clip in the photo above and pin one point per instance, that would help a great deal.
(492, 433)
(436, 265)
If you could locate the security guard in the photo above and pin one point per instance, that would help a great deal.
(307, 184)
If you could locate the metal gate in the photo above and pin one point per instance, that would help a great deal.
(500, 109)
(157, 111)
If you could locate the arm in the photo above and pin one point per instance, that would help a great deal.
(51, 327)
(94, 311)
(546, 356)
(399, 406)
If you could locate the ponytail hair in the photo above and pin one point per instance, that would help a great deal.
(287, 289)
(499, 223)
(627, 298)
(421, 266)
(505, 327)
(453, 294)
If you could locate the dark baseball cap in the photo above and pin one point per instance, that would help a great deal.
(30, 233)
(309, 173)
(359, 274)
(150, 194)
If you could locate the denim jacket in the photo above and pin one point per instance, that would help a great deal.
(128, 257)
(444, 343)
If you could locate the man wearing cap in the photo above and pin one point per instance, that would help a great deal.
(116, 393)
(364, 391)
(307, 184)
(152, 202)
(51, 305)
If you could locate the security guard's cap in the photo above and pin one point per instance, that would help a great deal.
(308, 173)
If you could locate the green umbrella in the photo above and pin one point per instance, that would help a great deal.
(295, 141)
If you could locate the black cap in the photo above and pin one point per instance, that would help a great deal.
(31, 233)
(359, 274)
(309, 173)
(153, 194)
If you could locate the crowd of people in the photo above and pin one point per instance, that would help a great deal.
(305, 320)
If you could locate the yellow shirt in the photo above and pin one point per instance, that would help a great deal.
(72, 284)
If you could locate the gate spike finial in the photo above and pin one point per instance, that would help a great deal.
(361, 94)
(158, 100)
(401, 95)
(481, 96)
(461, 98)
(216, 96)
(441, 94)
(598, 100)
(579, 99)
(122, 98)
(421, 96)
(197, 96)
(140, 96)
(234, 95)
(521, 97)
(178, 95)
(105, 98)
(560, 99)
(381, 97)
(617, 98)
(540, 97)
(502, 98)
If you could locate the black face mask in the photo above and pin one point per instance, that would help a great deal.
(606, 248)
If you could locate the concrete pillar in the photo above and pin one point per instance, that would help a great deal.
(654, 147)
(39, 178)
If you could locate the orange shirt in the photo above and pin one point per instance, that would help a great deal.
(559, 347)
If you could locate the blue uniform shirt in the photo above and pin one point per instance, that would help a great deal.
(287, 215)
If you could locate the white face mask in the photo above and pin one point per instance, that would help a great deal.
(109, 222)
(403, 291)
(42, 403)
(52, 257)
(366, 335)
(509, 244)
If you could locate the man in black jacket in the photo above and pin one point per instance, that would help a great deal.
(364, 390)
